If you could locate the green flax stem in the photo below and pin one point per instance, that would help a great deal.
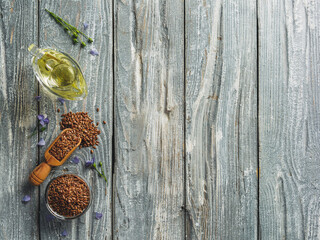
(95, 167)
(104, 176)
(72, 31)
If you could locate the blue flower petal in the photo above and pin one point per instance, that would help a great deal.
(94, 52)
(98, 215)
(76, 160)
(61, 100)
(89, 162)
(42, 122)
(40, 117)
(85, 25)
(38, 98)
(46, 120)
(64, 233)
(26, 199)
(41, 142)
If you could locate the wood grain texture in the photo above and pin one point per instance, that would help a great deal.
(185, 89)
(289, 119)
(98, 74)
(18, 111)
(149, 109)
(221, 119)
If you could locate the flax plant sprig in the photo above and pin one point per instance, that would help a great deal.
(71, 30)
(91, 163)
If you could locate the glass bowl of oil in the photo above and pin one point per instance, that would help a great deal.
(58, 73)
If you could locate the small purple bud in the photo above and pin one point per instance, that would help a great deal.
(98, 215)
(85, 25)
(61, 100)
(26, 199)
(76, 160)
(94, 52)
(41, 143)
(64, 233)
(89, 163)
(46, 120)
(40, 117)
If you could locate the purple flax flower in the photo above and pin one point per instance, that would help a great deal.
(38, 98)
(76, 160)
(61, 100)
(89, 163)
(26, 199)
(40, 117)
(42, 120)
(46, 120)
(64, 233)
(41, 143)
(98, 215)
(85, 25)
(94, 52)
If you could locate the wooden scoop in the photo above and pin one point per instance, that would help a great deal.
(41, 172)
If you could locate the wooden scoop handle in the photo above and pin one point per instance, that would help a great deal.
(40, 173)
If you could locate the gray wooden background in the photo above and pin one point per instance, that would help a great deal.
(212, 111)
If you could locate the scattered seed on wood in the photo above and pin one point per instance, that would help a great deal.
(104, 122)
(91, 151)
(58, 110)
(68, 195)
(97, 123)
(98, 109)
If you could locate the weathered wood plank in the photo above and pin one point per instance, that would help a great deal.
(221, 119)
(98, 74)
(149, 109)
(289, 119)
(18, 111)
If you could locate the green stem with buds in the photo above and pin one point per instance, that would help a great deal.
(104, 176)
(72, 31)
(95, 167)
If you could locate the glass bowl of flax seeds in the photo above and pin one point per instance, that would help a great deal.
(68, 196)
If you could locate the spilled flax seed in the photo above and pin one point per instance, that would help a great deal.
(83, 126)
